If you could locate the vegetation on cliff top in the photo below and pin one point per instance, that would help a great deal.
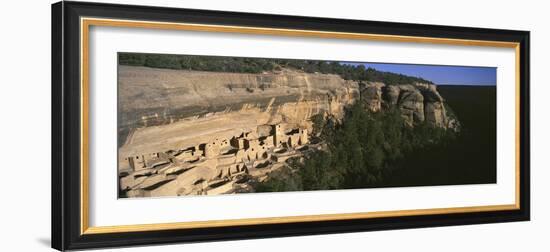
(259, 65)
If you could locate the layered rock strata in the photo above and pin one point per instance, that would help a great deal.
(196, 133)
(418, 103)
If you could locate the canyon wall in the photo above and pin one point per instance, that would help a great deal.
(417, 102)
(194, 132)
(149, 96)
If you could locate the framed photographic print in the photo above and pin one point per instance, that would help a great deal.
(180, 125)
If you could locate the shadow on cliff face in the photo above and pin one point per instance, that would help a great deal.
(373, 150)
(470, 159)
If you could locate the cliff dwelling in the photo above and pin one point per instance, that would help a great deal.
(219, 166)
(227, 139)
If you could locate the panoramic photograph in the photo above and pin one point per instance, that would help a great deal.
(193, 125)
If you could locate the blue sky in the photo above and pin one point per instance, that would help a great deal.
(449, 75)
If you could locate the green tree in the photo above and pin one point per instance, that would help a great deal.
(361, 151)
(356, 72)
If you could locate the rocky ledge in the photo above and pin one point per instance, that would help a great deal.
(221, 149)
(418, 103)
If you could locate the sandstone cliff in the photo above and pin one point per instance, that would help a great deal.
(149, 96)
(418, 103)
(195, 132)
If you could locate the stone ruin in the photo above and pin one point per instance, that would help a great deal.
(219, 166)
(229, 164)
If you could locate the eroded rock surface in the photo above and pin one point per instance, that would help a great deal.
(150, 96)
(418, 103)
(205, 133)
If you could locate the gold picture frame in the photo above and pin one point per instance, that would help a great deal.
(82, 17)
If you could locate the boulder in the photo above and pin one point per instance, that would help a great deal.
(371, 96)
(264, 130)
(391, 94)
(411, 104)
(156, 180)
(435, 114)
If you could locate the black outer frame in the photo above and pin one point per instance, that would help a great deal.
(66, 125)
